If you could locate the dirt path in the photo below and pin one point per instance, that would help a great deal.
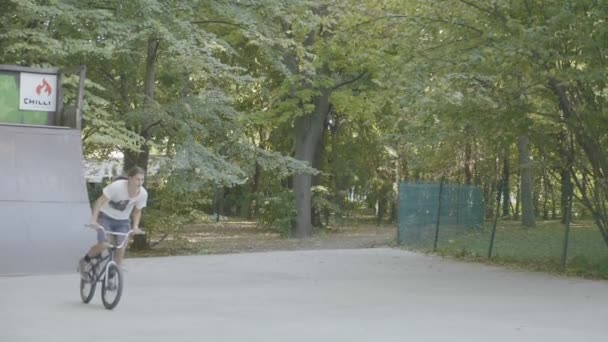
(237, 237)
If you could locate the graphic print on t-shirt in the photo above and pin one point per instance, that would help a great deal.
(120, 205)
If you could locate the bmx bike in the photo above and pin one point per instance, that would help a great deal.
(104, 269)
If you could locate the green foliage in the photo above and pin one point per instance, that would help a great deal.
(410, 90)
(322, 202)
(278, 212)
(202, 66)
(169, 210)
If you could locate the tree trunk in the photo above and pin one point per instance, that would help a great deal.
(553, 206)
(546, 195)
(318, 178)
(136, 158)
(477, 180)
(395, 197)
(527, 200)
(141, 158)
(567, 159)
(537, 183)
(506, 191)
(488, 189)
(309, 130)
(580, 127)
(306, 132)
(566, 180)
(381, 209)
(468, 174)
(517, 203)
(253, 201)
(253, 205)
(219, 202)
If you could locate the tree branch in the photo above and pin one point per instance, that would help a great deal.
(553, 116)
(87, 134)
(152, 245)
(147, 129)
(113, 9)
(469, 3)
(451, 42)
(398, 16)
(493, 12)
(349, 81)
(203, 22)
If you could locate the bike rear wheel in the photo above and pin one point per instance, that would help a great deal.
(111, 288)
(87, 290)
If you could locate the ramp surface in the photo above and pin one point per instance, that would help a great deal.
(43, 200)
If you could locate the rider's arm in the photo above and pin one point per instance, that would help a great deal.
(136, 218)
(97, 207)
(136, 215)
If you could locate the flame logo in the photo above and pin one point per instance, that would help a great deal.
(44, 86)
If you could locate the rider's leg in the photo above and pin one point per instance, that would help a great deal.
(84, 264)
(96, 249)
(121, 226)
(120, 255)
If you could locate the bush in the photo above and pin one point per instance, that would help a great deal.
(322, 204)
(278, 213)
(169, 210)
(94, 190)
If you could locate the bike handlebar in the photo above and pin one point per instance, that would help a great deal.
(126, 235)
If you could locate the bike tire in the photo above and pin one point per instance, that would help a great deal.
(87, 290)
(112, 285)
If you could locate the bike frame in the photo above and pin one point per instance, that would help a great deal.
(109, 259)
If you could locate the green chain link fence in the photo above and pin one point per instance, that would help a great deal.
(449, 219)
(425, 209)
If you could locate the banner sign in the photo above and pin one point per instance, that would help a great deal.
(38, 92)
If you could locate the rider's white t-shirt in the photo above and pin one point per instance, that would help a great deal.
(120, 205)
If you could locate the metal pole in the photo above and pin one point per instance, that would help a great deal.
(438, 217)
(399, 219)
(59, 119)
(567, 232)
(496, 213)
(458, 194)
(79, 104)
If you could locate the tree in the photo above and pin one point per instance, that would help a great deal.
(528, 218)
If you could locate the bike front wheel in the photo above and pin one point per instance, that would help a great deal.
(111, 287)
(87, 290)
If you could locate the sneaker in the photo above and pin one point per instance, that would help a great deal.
(112, 285)
(84, 268)
(112, 280)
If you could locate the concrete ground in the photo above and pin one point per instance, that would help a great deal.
(329, 295)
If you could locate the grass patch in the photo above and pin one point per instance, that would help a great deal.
(538, 249)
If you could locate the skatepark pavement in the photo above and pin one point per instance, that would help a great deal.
(329, 295)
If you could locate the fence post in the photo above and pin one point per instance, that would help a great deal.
(438, 216)
(496, 213)
(399, 219)
(459, 205)
(567, 231)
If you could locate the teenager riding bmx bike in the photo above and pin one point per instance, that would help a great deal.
(105, 270)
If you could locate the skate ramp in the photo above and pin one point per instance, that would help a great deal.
(43, 200)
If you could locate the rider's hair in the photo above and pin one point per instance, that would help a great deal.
(135, 170)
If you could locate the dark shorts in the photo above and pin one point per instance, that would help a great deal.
(113, 225)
